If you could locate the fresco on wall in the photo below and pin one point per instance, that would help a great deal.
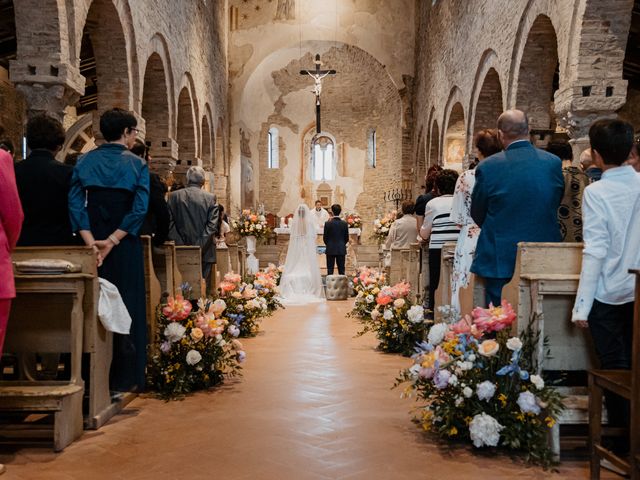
(246, 166)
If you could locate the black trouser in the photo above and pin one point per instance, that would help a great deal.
(493, 290)
(331, 260)
(435, 254)
(611, 328)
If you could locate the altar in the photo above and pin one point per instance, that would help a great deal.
(282, 240)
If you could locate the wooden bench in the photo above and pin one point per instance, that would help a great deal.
(268, 254)
(153, 290)
(189, 264)
(443, 292)
(166, 268)
(368, 256)
(97, 342)
(36, 330)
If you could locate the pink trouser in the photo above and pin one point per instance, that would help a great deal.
(5, 307)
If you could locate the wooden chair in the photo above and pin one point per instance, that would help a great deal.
(36, 330)
(152, 288)
(625, 383)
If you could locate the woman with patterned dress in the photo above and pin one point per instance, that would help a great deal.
(486, 142)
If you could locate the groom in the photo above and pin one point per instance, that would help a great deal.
(336, 237)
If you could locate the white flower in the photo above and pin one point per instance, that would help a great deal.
(218, 337)
(415, 370)
(193, 357)
(459, 401)
(416, 314)
(485, 390)
(537, 381)
(221, 343)
(437, 333)
(484, 430)
(241, 355)
(233, 330)
(375, 313)
(369, 299)
(464, 366)
(472, 357)
(514, 344)
(174, 332)
(467, 392)
(528, 403)
(258, 227)
(388, 314)
(453, 380)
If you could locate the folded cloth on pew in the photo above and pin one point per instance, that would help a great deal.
(46, 266)
(112, 311)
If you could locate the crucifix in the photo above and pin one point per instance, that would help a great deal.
(317, 76)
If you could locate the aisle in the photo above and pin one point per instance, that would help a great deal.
(314, 403)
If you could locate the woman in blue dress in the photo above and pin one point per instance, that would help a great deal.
(108, 203)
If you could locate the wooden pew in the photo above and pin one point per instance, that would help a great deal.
(268, 254)
(369, 256)
(33, 329)
(189, 265)
(152, 288)
(166, 268)
(443, 292)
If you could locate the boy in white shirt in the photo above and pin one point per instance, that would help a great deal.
(611, 230)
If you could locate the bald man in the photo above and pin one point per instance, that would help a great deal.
(589, 167)
(515, 199)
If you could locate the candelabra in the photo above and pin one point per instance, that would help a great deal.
(397, 195)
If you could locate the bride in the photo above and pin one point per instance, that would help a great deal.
(301, 282)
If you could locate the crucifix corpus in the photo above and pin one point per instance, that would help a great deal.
(317, 76)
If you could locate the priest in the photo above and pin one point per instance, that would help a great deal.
(320, 215)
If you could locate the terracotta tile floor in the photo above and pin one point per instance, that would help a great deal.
(314, 403)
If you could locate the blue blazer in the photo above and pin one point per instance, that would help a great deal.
(515, 199)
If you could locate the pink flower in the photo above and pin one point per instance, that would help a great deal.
(493, 319)
(232, 278)
(401, 290)
(383, 299)
(177, 309)
(464, 326)
(227, 287)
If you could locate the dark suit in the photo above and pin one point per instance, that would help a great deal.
(515, 199)
(43, 184)
(156, 223)
(336, 238)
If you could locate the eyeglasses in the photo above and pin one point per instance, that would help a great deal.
(134, 129)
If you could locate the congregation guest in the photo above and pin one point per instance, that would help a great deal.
(108, 202)
(156, 222)
(589, 167)
(575, 181)
(320, 215)
(438, 228)
(43, 184)
(194, 218)
(429, 193)
(604, 302)
(223, 228)
(634, 156)
(403, 231)
(7, 145)
(515, 199)
(487, 144)
(11, 217)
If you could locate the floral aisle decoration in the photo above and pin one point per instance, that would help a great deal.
(367, 283)
(478, 384)
(353, 220)
(195, 349)
(397, 323)
(245, 308)
(382, 226)
(251, 224)
(265, 282)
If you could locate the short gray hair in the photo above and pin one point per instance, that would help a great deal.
(586, 159)
(195, 175)
(514, 123)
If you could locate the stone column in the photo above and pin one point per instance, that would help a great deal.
(47, 86)
(584, 102)
(164, 153)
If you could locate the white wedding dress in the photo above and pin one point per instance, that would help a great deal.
(301, 282)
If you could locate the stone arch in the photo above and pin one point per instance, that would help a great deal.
(158, 46)
(538, 75)
(434, 144)
(157, 111)
(207, 139)
(454, 130)
(109, 57)
(187, 136)
(487, 101)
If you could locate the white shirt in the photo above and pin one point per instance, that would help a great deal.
(611, 231)
(321, 217)
(437, 225)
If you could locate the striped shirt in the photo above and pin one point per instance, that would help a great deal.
(437, 225)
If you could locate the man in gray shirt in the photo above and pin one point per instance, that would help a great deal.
(194, 219)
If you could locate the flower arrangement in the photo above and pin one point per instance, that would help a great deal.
(477, 384)
(398, 324)
(382, 226)
(245, 307)
(251, 224)
(265, 282)
(196, 349)
(353, 220)
(367, 283)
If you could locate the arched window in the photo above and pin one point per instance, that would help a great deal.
(372, 148)
(273, 155)
(323, 150)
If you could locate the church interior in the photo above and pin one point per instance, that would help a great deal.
(359, 104)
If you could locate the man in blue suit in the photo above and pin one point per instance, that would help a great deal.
(515, 199)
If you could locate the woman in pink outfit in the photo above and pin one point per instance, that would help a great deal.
(11, 217)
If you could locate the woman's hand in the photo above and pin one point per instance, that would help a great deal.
(104, 248)
(98, 255)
